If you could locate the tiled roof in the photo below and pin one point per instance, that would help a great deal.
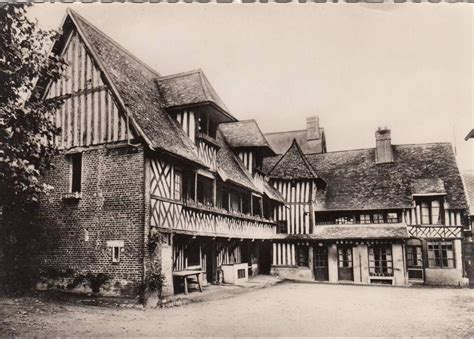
(241, 134)
(384, 231)
(189, 88)
(293, 165)
(355, 182)
(427, 186)
(468, 177)
(230, 168)
(135, 83)
(272, 193)
(281, 141)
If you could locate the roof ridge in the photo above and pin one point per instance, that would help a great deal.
(204, 86)
(177, 75)
(292, 131)
(119, 46)
(305, 160)
(372, 148)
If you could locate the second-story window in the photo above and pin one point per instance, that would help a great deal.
(207, 125)
(205, 190)
(222, 196)
(76, 172)
(256, 205)
(177, 185)
(430, 211)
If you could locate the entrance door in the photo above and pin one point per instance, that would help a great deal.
(321, 272)
(344, 263)
(415, 261)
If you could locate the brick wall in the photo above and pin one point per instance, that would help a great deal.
(112, 207)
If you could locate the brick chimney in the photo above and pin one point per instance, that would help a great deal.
(383, 146)
(312, 128)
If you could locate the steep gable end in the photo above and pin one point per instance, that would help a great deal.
(90, 114)
(293, 165)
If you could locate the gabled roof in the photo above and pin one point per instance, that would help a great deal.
(293, 165)
(133, 84)
(281, 141)
(230, 168)
(189, 88)
(245, 134)
(468, 177)
(356, 182)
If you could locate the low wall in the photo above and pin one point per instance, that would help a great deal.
(293, 273)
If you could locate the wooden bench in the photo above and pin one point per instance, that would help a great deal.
(185, 275)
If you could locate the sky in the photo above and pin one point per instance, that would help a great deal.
(407, 67)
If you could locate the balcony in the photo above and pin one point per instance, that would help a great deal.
(193, 218)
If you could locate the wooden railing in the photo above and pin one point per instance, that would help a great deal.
(201, 220)
(435, 231)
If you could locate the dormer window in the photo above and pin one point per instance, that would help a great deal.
(207, 125)
(430, 210)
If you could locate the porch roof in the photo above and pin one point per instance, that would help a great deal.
(342, 232)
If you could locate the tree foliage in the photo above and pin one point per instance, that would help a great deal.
(26, 127)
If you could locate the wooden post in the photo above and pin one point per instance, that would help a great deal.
(274, 254)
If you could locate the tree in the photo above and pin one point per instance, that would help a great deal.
(27, 129)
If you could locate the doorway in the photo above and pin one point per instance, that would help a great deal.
(344, 263)
(321, 272)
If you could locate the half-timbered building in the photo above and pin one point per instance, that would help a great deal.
(145, 156)
(390, 214)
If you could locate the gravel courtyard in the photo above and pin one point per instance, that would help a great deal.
(288, 309)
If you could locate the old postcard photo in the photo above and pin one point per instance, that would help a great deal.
(264, 169)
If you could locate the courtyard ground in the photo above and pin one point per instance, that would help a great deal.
(286, 309)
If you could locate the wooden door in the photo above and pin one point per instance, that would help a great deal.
(345, 268)
(321, 272)
(414, 255)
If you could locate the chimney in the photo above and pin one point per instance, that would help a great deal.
(312, 128)
(383, 146)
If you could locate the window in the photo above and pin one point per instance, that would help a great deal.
(241, 273)
(378, 218)
(234, 202)
(414, 256)
(440, 254)
(207, 125)
(222, 198)
(246, 204)
(392, 217)
(205, 188)
(116, 254)
(380, 261)
(282, 226)
(188, 185)
(430, 211)
(425, 213)
(256, 205)
(302, 255)
(365, 218)
(76, 172)
(344, 256)
(178, 185)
